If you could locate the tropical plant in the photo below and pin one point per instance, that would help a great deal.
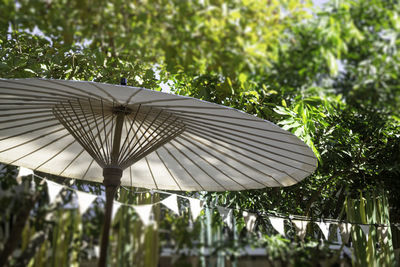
(330, 77)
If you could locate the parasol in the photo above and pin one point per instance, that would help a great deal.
(143, 138)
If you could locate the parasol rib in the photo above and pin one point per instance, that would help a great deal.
(198, 166)
(132, 96)
(212, 165)
(222, 161)
(168, 170)
(151, 173)
(246, 156)
(225, 134)
(183, 167)
(212, 126)
(239, 161)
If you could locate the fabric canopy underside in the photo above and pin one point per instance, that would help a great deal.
(200, 146)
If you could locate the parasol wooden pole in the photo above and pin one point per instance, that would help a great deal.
(112, 180)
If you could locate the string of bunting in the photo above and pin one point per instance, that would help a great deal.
(196, 206)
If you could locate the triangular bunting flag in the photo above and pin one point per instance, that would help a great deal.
(249, 220)
(171, 202)
(384, 233)
(278, 224)
(84, 201)
(226, 215)
(338, 236)
(144, 212)
(324, 226)
(116, 206)
(24, 172)
(195, 207)
(53, 189)
(301, 227)
(345, 230)
(365, 229)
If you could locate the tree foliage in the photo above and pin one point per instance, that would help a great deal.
(330, 77)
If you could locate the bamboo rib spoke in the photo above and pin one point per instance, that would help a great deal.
(166, 137)
(34, 139)
(126, 145)
(239, 153)
(243, 139)
(92, 123)
(242, 131)
(84, 93)
(30, 131)
(103, 91)
(23, 106)
(28, 118)
(74, 125)
(207, 151)
(198, 166)
(27, 99)
(149, 136)
(235, 143)
(139, 142)
(72, 161)
(157, 137)
(162, 100)
(189, 107)
(212, 148)
(82, 119)
(132, 96)
(183, 167)
(24, 113)
(151, 172)
(40, 148)
(35, 94)
(212, 115)
(209, 163)
(168, 170)
(221, 141)
(50, 89)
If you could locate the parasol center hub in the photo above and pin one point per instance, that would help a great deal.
(121, 109)
(112, 176)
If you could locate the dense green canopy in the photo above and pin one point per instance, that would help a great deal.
(331, 76)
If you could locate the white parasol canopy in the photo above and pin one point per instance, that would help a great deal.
(143, 138)
(170, 142)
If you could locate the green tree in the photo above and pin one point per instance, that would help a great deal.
(331, 78)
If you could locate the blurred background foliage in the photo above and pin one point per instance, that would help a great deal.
(330, 76)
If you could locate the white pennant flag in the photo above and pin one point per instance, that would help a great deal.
(250, 220)
(345, 229)
(278, 224)
(365, 229)
(226, 215)
(144, 212)
(24, 172)
(384, 233)
(301, 227)
(84, 201)
(53, 189)
(195, 207)
(171, 202)
(116, 206)
(324, 226)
